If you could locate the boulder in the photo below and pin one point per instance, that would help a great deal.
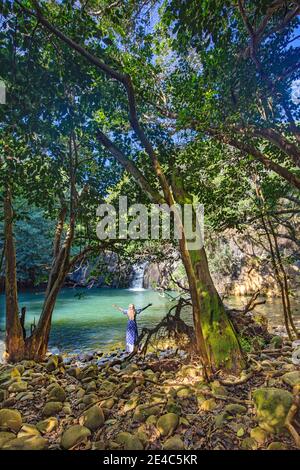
(292, 378)
(276, 446)
(5, 437)
(10, 420)
(28, 430)
(174, 443)
(57, 393)
(141, 412)
(184, 392)
(259, 435)
(47, 425)
(52, 408)
(218, 389)
(272, 406)
(208, 405)
(18, 387)
(276, 342)
(249, 444)
(26, 443)
(92, 418)
(52, 363)
(3, 395)
(129, 441)
(167, 424)
(74, 435)
(235, 409)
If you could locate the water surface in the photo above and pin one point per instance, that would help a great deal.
(84, 319)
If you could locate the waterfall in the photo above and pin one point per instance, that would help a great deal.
(138, 276)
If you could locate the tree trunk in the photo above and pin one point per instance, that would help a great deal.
(220, 339)
(219, 335)
(14, 333)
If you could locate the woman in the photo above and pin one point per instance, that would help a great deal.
(132, 329)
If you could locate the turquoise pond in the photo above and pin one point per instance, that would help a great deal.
(84, 319)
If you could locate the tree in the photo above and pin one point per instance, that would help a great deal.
(216, 339)
(239, 61)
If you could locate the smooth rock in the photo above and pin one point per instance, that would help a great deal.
(129, 441)
(26, 443)
(208, 405)
(28, 430)
(276, 446)
(259, 435)
(57, 393)
(249, 444)
(52, 363)
(235, 409)
(74, 435)
(52, 408)
(18, 387)
(10, 420)
(292, 378)
(47, 425)
(173, 443)
(5, 437)
(272, 406)
(167, 424)
(92, 418)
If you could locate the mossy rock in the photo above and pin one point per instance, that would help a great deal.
(10, 420)
(190, 371)
(3, 395)
(276, 445)
(129, 441)
(184, 392)
(220, 419)
(5, 377)
(52, 408)
(141, 412)
(249, 444)
(174, 443)
(292, 378)
(26, 443)
(151, 420)
(109, 403)
(74, 435)
(272, 406)
(90, 398)
(259, 435)
(52, 363)
(142, 436)
(235, 409)
(218, 389)
(167, 424)
(57, 393)
(47, 425)
(5, 437)
(276, 342)
(208, 405)
(28, 430)
(74, 372)
(17, 387)
(173, 407)
(93, 418)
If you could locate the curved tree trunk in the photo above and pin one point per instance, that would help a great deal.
(220, 337)
(209, 314)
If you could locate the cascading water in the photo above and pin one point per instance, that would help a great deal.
(138, 276)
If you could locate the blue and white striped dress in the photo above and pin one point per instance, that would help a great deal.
(131, 331)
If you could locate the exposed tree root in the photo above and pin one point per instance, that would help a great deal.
(290, 418)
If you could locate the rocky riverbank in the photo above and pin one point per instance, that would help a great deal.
(159, 402)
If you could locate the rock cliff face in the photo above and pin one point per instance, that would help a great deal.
(237, 267)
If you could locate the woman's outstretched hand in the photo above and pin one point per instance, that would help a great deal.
(117, 307)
